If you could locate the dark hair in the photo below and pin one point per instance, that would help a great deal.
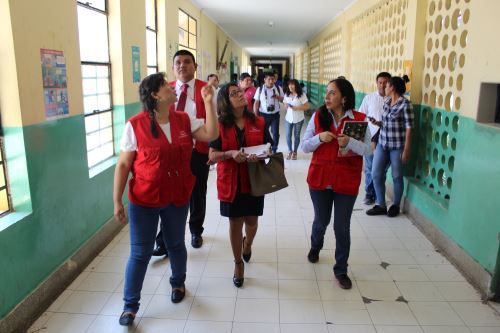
(383, 74)
(212, 75)
(399, 84)
(224, 108)
(185, 53)
(298, 88)
(244, 76)
(347, 91)
(266, 74)
(149, 85)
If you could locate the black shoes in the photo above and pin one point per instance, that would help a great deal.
(160, 251)
(126, 318)
(344, 281)
(196, 241)
(238, 281)
(377, 210)
(246, 256)
(313, 256)
(368, 200)
(178, 294)
(393, 211)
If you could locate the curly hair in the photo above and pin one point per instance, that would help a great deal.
(224, 108)
(347, 91)
(298, 88)
(149, 85)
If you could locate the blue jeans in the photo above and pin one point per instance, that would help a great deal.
(143, 225)
(323, 201)
(273, 120)
(369, 187)
(381, 159)
(296, 128)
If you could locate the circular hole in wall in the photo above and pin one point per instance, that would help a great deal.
(447, 4)
(447, 104)
(443, 62)
(434, 80)
(446, 22)
(429, 44)
(450, 81)
(451, 163)
(432, 8)
(466, 15)
(458, 102)
(446, 121)
(454, 124)
(438, 118)
(436, 43)
(452, 61)
(427, 80)
(425, 167)
(449, 183)
(438, 24)
(460, 79)
(432, 98)
(456, 19)
(440, 100)
(440, 4)
(445, 42)
(463, 38)
(433, 173)
(428, 63)
(426, 98)
(429, 134)
(443, 159)
(453, 145)
(435, 62)
(445, 140)
(441, 177)
(453, 40)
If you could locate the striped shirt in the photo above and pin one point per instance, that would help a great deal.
(395, 120)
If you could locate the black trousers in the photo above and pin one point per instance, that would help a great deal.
(198, 201)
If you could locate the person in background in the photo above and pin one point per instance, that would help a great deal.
(238, 128)
(372, 106)
(333, 178)
(296, 103)
(393, 146)
(267, 104)
(156, 149)
(246, 84)
(213, 80)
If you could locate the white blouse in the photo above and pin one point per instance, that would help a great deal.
(292, 116)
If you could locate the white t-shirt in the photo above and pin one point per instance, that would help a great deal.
(373, 106)
(292, 116)
(129, 142)
(269, 100)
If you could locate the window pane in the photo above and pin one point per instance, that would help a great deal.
(92, 123)
(107, 151)
(99, 4)
(89, 87)
(105, 119)
(102, 86)
(88, 71)
(183, 20)
(92, 141)
(192, 41)
(89, 104)
(93, 32)
(183, 37)
(192, 25)
(150, 14)
(151, 47)
(102, 71)
(104, 102)
(151, 70)
(106, 136)
(2, 177)
(4, 202)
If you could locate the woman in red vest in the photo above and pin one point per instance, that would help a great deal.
(238, 127)
(335, 172)
(156, 148)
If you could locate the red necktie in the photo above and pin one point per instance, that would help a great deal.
(181, 104)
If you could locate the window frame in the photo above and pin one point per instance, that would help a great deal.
(155, 31)
(6, 178)
(182, 46)
(98, 112)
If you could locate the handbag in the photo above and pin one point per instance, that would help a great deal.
(267, 177)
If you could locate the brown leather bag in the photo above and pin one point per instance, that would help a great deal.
(267, 177)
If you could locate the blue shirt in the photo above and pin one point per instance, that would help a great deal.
(395, 120)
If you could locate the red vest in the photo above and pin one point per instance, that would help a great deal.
(201, 147)
(161, 172)
(343, 174)
(228, 171)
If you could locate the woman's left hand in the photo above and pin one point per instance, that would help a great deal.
(252, 158)
(207, 92)
(343, 140)
(405, 157)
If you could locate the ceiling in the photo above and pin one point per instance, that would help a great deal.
(272, 28)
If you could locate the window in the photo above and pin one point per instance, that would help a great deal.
(187, 32)
(5, 205)
(151, 39)
(96, 76)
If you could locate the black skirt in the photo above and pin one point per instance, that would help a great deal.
(244, 204)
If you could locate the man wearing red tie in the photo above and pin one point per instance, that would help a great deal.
(189, 100)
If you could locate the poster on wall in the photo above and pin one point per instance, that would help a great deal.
(54, 78)
(136, 64)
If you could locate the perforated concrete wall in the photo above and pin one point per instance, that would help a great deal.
(314, 90)
(332, 55)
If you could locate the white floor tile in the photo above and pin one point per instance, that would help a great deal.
(298, 289)
(257, 310)
(162, 307)
(114, 305)
(109, 324)
(40, 324)
(300, 328)
(346, 313)
(68, 323)
(381, 291)
(255, 327)
(351, 329)
(443, 273)
(330, 291)
(301, 311)
(391, 313)
(446, 329)
(398, 329)
(86, 302)
(407, 273)
(207, 326)
(213, 309)
(370, 273)
(258, 270)
(419, 291)
(216, 287)
(259, 288)
(96, 281)
(153, 325)
(435, 313)
(458, 291)
(296, 271)
(476, 314)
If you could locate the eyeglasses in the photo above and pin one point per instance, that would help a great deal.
(235, 93)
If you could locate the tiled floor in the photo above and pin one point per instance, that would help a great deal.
(401, 285)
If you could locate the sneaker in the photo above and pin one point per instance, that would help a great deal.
(393, 211)
(377, 210)
(313, 256)
(126, 318)
(368, 200)
(344, 281)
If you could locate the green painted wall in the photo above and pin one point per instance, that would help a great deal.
(67, 207)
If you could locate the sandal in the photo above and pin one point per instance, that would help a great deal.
(289, 156)
(246, 256)
(238, 281)
(127, 318)
(294, 155)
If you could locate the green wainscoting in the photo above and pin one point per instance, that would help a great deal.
(63, 207)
